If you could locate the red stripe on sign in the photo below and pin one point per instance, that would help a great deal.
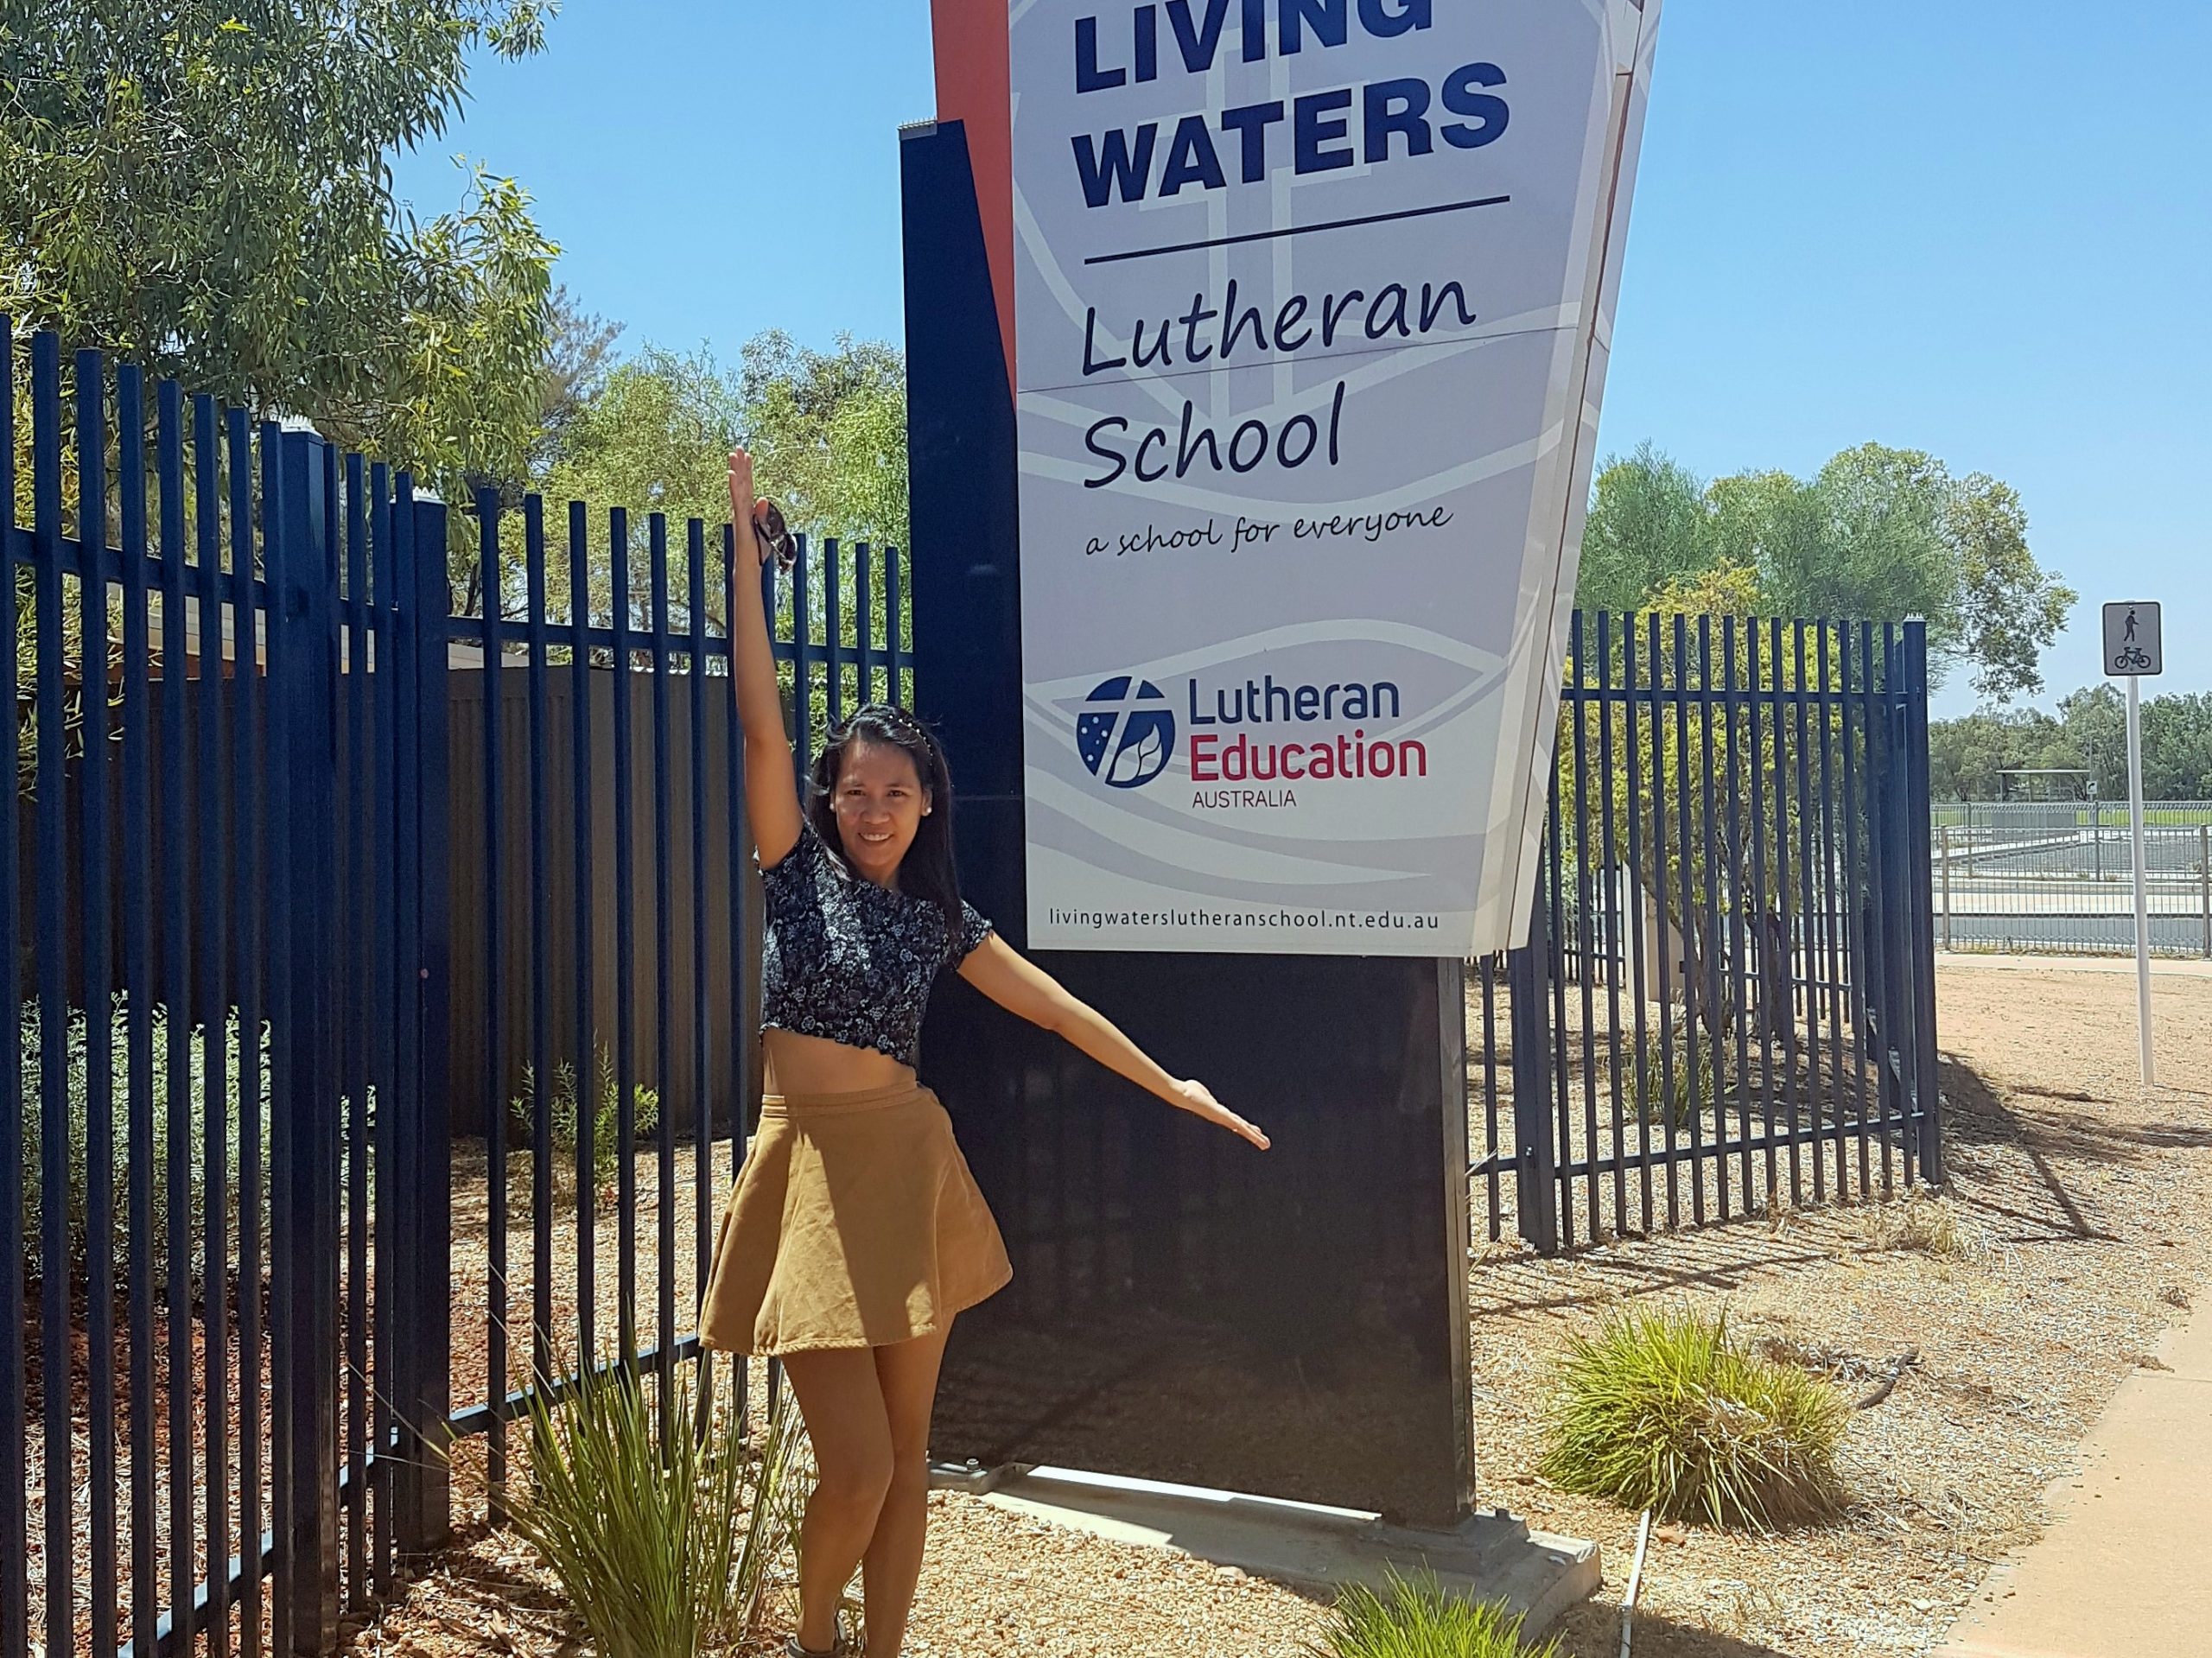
(973, 88)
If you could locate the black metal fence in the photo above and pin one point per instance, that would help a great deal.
(386, 1003)
(1727, 1002)
(304, 868)
(232, 1029)
(612, 1048)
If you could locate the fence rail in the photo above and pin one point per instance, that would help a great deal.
(2004, 818)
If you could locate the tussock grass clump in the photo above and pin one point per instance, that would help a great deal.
(1414, 1618)
(1928, 1223)
(1669, 1095)
(1665, 1411)
(662, 1530)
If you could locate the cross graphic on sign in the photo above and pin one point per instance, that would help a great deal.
(1138, 696)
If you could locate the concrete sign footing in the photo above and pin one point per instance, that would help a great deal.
(1488, 1557)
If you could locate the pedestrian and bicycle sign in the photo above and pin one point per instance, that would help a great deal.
(2131, 645)
(2132, 649)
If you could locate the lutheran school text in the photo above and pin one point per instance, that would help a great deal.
(1211, 335)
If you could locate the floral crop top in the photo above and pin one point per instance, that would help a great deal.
(849, 960)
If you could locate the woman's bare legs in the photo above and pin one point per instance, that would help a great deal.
(908, 1373)
(841, 1398)
(867, 1413)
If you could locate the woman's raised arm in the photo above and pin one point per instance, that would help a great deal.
(1022, 988)
(770, 798)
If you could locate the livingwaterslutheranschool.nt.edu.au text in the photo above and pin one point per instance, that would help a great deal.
(1332, 920)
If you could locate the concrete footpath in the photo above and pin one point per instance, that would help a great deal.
(2126, 1566)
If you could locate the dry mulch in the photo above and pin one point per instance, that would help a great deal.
(2079, 1204)
(2085, 1199)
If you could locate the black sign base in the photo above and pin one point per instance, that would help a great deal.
(1291, 1323)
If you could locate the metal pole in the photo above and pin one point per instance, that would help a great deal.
(2142, 909)
(1946, 888)
(2204, 876)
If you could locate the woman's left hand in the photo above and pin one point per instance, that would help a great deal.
(1197, 1099)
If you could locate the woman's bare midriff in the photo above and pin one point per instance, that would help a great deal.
(814, 1064)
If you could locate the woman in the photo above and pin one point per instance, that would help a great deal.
(856, 1232)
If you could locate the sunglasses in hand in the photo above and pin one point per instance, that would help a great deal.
(775, 536)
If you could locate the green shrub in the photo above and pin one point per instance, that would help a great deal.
(1663, 1092)
(77, 1199)
(1417, 1619)
(1664, 1410)
(665, 1533)
(606, 1116)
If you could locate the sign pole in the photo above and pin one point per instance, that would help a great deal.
(2142, 906)
(2135, 645)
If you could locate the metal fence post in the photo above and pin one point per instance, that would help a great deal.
(2204, 880)
(1534, 1163)
(1947, 886)
(305, 1192)
(420, 1307)
(1921, 935)
(434, 1146)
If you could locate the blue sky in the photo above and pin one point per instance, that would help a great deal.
(1983, 231)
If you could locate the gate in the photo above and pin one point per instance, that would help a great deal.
(1727, 1002)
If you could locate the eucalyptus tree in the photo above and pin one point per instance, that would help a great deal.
(205, 186)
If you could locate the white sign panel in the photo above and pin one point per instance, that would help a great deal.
(1312, 313)
(2132, 642)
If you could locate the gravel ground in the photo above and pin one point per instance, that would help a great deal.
(2078, 1204)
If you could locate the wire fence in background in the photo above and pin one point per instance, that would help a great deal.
(2058, 877)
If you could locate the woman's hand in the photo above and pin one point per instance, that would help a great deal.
(772, 801)
(1197, 1099)
(743, 503)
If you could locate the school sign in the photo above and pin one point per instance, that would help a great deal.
(1312, 305)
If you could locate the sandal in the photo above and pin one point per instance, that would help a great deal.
(792, 1649)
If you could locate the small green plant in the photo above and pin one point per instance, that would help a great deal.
(75, 1055)
(1664, 1410)
(1414, 1618)
(1664, 1096)
(567, 1115)
(664, 1528)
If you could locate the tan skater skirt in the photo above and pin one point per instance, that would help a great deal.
(855, 1222)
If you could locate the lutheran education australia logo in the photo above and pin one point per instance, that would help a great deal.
(1125, 731)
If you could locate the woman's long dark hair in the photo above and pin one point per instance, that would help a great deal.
(927, 871)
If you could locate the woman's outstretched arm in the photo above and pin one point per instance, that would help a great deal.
(770, 798)
(1000, 972)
